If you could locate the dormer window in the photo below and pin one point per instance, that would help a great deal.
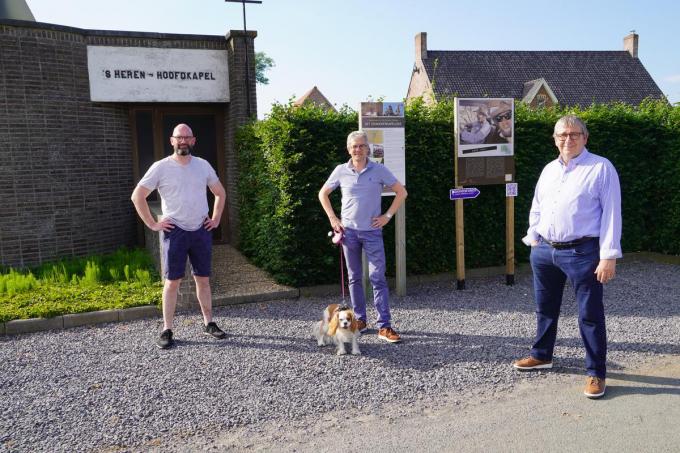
(541, 100)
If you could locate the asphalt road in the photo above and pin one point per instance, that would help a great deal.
(639, 413)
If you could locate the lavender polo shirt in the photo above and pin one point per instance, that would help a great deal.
(582, 198)
(361, 192)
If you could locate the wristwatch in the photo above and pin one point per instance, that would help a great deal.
(388, 215)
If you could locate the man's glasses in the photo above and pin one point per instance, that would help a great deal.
(361, 146)
(181, 137)
(571, 135)
(505, 116)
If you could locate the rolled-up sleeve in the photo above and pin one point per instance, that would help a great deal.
(610, 223)
(534, 215)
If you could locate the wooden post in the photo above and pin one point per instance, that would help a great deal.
(400, 249)
(460, 230)
(460, 246)
(509, 240)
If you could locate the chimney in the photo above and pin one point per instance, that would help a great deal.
(630, 44)
(421, 46)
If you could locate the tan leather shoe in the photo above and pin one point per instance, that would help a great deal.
(530, 363)
(388, 334)
(595, 387)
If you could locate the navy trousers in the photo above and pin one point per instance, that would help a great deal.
(551, 268)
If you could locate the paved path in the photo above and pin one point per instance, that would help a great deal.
(639, 413)
(235, 280)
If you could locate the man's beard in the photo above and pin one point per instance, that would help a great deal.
(183, 151)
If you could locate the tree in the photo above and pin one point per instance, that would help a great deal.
(263, 63)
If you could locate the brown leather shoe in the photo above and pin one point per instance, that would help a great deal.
(595, 387)
(530, 363)
(388, 334)
(361, 325)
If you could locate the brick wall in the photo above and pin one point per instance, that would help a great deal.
(66, 163)
(236, 114)
(66, 171)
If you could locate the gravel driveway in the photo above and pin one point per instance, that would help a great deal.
(109, 388)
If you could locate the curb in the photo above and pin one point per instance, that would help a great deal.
(19, 326)
(90, 317)
(221, 301)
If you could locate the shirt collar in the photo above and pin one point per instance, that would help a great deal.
(368, 165)
(576, 160)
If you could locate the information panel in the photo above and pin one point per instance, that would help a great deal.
(384, 124)
(485, 132)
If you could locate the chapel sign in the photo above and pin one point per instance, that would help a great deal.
(144, 74)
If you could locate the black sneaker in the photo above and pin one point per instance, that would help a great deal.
(214, 331)
(165, 341)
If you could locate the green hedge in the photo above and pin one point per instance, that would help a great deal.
(285, 159)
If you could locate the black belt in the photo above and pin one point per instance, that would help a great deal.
(568, 245)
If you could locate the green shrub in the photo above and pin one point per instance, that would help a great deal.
(93, 274)
(15, 282)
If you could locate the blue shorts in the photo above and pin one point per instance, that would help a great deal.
(178, 244)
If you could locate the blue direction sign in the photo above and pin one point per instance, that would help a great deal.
(460, 194)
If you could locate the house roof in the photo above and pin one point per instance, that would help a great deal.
(575, 77)
(316, 97)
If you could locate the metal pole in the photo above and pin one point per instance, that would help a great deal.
(245, 42)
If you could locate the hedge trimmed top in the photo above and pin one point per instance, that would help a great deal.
(285, 159)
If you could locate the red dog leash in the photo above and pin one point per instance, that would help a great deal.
(336, 239)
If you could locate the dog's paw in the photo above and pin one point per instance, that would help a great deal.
(341, 353)
(357, 352)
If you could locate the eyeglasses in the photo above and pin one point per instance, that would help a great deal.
(361, 146)
(180, 138)
(571, 135)
(500, 118)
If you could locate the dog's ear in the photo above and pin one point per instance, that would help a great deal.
(333, 324)
(354, 325)
(328, 312)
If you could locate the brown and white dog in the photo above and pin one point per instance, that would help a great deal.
(339, 326)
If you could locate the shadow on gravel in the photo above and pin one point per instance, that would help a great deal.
(203, 343)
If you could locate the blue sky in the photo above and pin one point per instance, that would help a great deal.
(356, 49)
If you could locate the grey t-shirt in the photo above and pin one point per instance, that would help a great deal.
(182, 189)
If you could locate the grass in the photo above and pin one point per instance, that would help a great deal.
(123, 279)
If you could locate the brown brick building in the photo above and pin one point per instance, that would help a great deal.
(69, 163)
